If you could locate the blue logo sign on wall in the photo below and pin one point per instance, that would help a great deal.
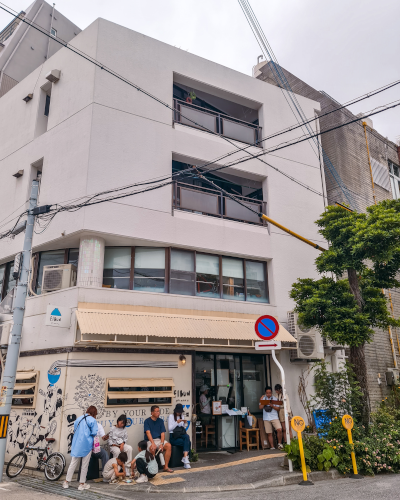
(55, 312)
(266, 327)
(128, 422)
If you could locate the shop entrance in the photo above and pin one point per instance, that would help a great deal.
(237, 380)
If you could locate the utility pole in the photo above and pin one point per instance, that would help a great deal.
(10, 370)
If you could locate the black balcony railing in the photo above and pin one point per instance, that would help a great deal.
(211, 121)
(212, 202)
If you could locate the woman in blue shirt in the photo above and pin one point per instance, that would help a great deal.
(85, 429)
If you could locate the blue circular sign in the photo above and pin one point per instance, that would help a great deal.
(129, 422)
(267, 327)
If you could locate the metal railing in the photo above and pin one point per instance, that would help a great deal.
(208, 120)
(211, 202)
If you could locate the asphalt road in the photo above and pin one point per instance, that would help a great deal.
(385, 487)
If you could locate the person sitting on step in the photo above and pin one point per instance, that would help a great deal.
(145, 463)
(117, 440)
(177, 433)
(154, 434)
(115, 468)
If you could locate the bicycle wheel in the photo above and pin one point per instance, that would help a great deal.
(54, 467)
(16, 464)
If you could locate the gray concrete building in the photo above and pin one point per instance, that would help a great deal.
(23, 48)
(347, 150)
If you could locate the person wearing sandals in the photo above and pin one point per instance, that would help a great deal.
(154, 434)
(145, 463)
(85, 429)
(117, 440)
(177, 433)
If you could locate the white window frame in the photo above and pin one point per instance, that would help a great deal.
(139, 382)
(23, 375)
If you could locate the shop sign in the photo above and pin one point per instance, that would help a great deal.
(58, 316)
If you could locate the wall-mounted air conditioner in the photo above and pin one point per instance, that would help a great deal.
(309, 340)
(5, 332)
(333, 346)
(58, 277)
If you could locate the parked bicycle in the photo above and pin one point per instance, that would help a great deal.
(52, 464)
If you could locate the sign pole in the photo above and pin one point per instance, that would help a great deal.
(299, 425)
(284, 403)
(348, 424)
(10, 370)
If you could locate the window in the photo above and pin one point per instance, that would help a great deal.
(253, 381)
(255, 282)
(182, 272)
(2, 277)
(51, 258)
(11, 282)
(25, 390)
(233, 278)
(149, 269)
(53, 32)
(47, 106)
(117, 267)
(207, 275)
(144, 391)
(395, 180)
(73, 256)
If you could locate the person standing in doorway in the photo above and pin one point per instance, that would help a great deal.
(205, 408)
(85, 429)
(271, 418)
(279, 393)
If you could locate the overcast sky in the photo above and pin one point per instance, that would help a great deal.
(345, 47)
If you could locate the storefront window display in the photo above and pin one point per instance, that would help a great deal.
(237, 380)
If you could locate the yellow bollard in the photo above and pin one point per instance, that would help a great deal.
(348, 424)
(299, 425)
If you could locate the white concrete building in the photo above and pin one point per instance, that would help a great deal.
(171, 281)
(23, 48)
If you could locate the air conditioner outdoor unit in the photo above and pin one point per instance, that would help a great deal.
(5, 331)
(309, 340)
(334, 346)
(58, 277)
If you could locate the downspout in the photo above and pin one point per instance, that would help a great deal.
(18, 44)
(63, 405)
(51, 27)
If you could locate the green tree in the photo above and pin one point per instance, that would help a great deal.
(364, 257)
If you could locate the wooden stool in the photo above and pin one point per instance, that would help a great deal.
(249, 437)
(210, 431)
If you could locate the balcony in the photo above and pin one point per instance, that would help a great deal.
(208, 120)
(206, 201)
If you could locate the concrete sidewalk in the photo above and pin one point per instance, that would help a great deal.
(214, 472)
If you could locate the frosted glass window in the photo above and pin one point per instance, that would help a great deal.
(207, 275)
(117, 267)
(232, 278)
(117, 258)
(182, 272)
(146, 257)
(255, 282)
(2, 275)
(149, 269)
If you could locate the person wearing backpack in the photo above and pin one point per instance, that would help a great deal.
(85, 429)
(178, 435)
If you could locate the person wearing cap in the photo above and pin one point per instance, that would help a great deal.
(205, 408)
(177, 433)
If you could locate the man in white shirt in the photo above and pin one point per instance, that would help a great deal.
(271, 418)
(103, 455)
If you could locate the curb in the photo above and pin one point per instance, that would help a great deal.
(283, 480)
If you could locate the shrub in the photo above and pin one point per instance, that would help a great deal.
(318, 454)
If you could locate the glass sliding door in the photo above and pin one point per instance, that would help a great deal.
(253, 381)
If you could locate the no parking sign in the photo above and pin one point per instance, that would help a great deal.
(267, 328)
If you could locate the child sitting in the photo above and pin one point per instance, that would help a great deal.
(145, 463)
(111, 469)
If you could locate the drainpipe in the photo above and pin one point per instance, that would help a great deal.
(18, 44)
(51, 27)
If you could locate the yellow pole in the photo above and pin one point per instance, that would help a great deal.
(305, 240)
(353, 456)
(299, 425)
(303, 461)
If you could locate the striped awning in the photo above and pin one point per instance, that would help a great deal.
(144, 324)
